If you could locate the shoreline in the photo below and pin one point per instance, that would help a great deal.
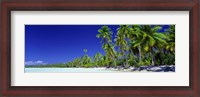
(162, 68)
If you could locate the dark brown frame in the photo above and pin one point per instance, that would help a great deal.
(98, 5)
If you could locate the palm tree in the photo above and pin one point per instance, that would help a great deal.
(105, 61)
(169, 50)
(85, 51)
(150, 38)
(106, 34)
(136, 40)
(76, 62)
(98, 59)
(121, 41)
(170, 33)
(110, 52)
(86, 60)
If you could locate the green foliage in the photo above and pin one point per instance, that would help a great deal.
(146, 63)
(106, 34)
(58, 65)
(134, 45)
(85, 50)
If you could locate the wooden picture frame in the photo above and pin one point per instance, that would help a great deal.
(193, 90)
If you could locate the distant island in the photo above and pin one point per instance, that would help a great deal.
(134, 47)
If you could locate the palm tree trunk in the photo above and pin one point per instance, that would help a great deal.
(131, 50)
(152, 55)
(126, 65)
(140, 54)
(161, 58)
(114, 61)
(124, 57)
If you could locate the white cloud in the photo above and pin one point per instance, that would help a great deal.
(35, 63)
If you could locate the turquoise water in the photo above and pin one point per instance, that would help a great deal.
(68, 70)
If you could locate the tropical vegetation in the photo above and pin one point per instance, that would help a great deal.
(133, 45)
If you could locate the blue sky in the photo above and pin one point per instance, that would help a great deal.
(61, 43)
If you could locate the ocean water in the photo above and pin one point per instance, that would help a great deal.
(68, 70)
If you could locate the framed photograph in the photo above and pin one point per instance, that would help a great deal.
(140, 48)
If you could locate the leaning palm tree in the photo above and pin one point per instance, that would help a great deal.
(121, 41)
(110, 52)
(122, 46)
(150, 38)
(105, 33)
(136, 36)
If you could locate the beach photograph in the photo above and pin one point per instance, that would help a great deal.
(99, 48)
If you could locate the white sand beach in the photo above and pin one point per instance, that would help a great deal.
(101, 70)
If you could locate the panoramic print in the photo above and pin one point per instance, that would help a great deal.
(99, 48)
